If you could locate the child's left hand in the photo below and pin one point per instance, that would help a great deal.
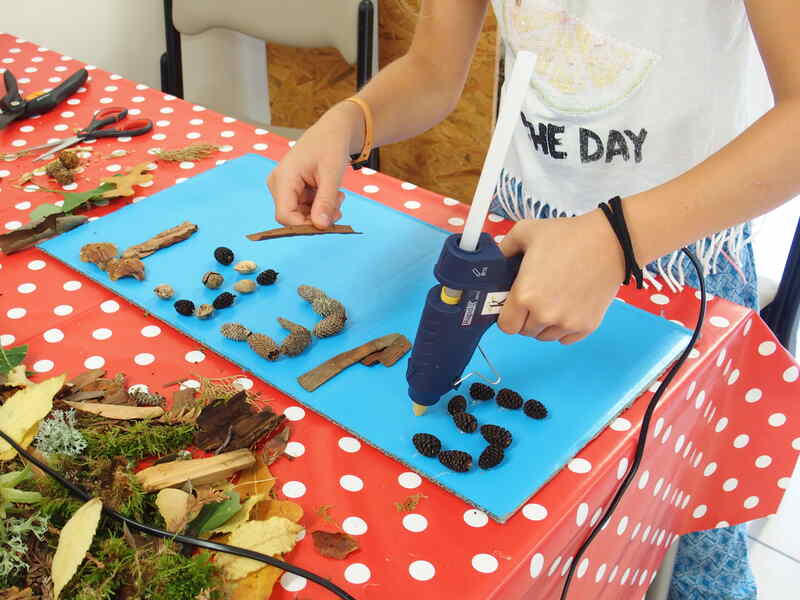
(569, 275)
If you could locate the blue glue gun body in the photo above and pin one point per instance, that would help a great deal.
(449, 331)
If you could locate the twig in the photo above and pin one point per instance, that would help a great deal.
(297, 230)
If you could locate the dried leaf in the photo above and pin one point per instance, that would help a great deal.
(11, 358)
(257, 585)
(275, 446)
(324, 513)
(278, 508)
(257, 480)
(240, 517)
(83, 380)
(334, 545)
(21, 413)
(174, 506)
(73, 543)
(409, 504)
(15, 593)
(122, 185)
(273, 536)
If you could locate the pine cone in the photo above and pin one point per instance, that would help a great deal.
(264, 346)
(69, 159)
(267, 277)
(297, 341)
(491, 457)
(147, 398)
(466, 422)
(224, 300)
(329, 326)
(496, 435)
(457, 404)
(535, 409)
(481, 391)
(325, 306)
(427, 444)
(309, 292)
(184, 307)
(456, 460)
(235, 331)
(509, 399)
(223, 255)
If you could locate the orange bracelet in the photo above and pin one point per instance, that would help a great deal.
(367, 147)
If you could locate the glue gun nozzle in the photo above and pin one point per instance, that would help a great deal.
(419, 409)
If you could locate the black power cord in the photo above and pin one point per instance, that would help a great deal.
(183, 539)
(643, 433)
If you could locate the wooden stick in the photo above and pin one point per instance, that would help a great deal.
(173, 235)
(389, 355)
(118, 411)
(295, 230)
(199, 471)
(332, 367)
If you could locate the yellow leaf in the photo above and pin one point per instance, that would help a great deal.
(256, 480)
(240, 517)
(16, 377)
(125, 183)
(278, 508)
(174, 506)
(257, 585)
(74, 542)
(273, 536)
(21, 414)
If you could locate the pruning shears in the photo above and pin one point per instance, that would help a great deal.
(15, 107)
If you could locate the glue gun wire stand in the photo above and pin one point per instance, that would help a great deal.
(474, 275)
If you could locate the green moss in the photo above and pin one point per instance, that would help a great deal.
(138, 440)
(176, 577)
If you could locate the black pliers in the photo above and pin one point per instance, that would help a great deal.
(14, 106)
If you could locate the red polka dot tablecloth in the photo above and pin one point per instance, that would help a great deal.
(722, 448)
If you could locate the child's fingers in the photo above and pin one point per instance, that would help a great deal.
(287, 195)
(328, 199)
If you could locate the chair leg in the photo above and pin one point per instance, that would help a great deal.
(364, 63)
(171, 61)
(781, 315)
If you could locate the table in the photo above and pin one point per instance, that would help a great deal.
(722, 448)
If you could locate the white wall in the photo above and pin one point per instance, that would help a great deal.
(223, 70)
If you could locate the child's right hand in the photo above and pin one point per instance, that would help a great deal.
(305, 184)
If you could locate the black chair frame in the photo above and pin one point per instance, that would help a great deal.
(781, 314)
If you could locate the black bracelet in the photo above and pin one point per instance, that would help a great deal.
(616, 217)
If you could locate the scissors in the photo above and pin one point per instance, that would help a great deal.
(97, 129)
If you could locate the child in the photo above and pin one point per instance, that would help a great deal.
(643, 100)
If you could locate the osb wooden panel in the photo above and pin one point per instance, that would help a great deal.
(304, 83)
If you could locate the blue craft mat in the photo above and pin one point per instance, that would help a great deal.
(382, 278)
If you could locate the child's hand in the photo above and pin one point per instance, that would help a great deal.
(569, 275)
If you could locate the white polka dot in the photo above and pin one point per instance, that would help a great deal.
(697, 459)
(357, 573)
(371, 189)
(643, 479)
(409, 480)
(294, 413)
(777, 419)
(259, 131)
(622, 525)
(293, 583)
(495, 218)
(186, 164)
(700, 399)
(596, 517)
(718, 321)
(143, 359)
(658, 426)
(109, 306)
(635, 531)
(16, 313)
(43, 366)
(421, 570)
(415, 523)
(730, 484)
(101, 334)
(260, 147)
(181, 179)
(349, 444)
(351, 483)
(227, 134)
(167, 110)
(243, 383)
(358, 526)
(73, 101)
(579, 465)
(699, 511)
(484, 563)
(537, 564)
(150, 331)
(582, 514)
(741, 440)
(499, 238)
(7, 339)
(751, 502)
(62, 310)
(753, 395)
(455, 221)
(763, 461)
(94, 362)
(26, 288)
(679, 443)
(733, 377)
(721, 424)
(790, 375)
(659, 299)
(114, 168)
(293, 489)
(666, 435)
(601, 571)
(37, 265)
(475, 518)
(194, 356)
(784, 482)
(193, 135)
(796, 443)
(620, 424)
(554, 566)
(295, 449)
(190, 384)
(412, 204)
(622, 467)
(534, 512)
(767, 348)
(198, 108)
(158, 137)
(710, 469)
(226, 148)
(137, 99)
(70, 186)
(53, 336)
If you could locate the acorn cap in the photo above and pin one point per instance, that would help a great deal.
(212, 280)
(204, 311)
(164, 291)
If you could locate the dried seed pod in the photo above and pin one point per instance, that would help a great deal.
(456, 460)
(69, 159)
(98, 253)
(297, 341)
(509, 399)
(309, 292)
(245, 266)
(267, 277)
(184, 307)
(164, 291)
(535, 409)
(329, 326)
(245, 286)
(491, 457)
(52, 167)
(457, 404)
(61, 175)
(496, 435)
(117, 268)
(224, 300)
(465, 422)
(204, 311)
(264, 346)
(427, 444)
(325, 306)
(235, 331)
(481, 391)
(212, 280)
(223, 255)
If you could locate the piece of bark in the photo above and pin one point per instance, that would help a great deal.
(233, 424)
(333, 545)
(98, 253)
(276, 445)
(41, 229)
(332, 367)
(118, 412)
(199, 471)
(185, 408)
(297, 230)
(389, 355)
(117, 268)
(166, 238)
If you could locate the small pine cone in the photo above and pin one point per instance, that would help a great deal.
(235, 331)
(491, 457)
(297, 341)
(264, 346)
(535, 409)
(457, 404)
(466, 422)
(184, 307)
(69, 159)
(496, 435)
(326, 306)
(509, 399)
(147, 398)
(481, 391)
(427, 444)
(223, 255)
(309, 292)
(224, 300)
(329, 326)
(267, 277)
(456, 460)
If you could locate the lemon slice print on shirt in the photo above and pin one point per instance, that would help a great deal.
(579, 70)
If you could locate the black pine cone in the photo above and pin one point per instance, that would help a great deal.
(466, 422)
(481, 391)
(184, 307)
(491, 457)
(509, 399)
(267, 277)
(224, 300)
(456, 460)
(457, 404)
(223, 255)
(427, 444)
(535, 409)
(496, 435)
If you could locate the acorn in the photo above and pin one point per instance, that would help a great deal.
(481, 391)
(212, 280)
(267, 277)
(427, 444)
(509, 399)
(535, 409)
(184, 307)
(456, 460)
(465, 422)
(298, 339)
(245, 286)
(224, 300)
(204, 311)
(457, 404)
(223, 255)
(264, 346)
(235, 331)
(496, 435)
(245, 266)
(164, 291)
(491, 457)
